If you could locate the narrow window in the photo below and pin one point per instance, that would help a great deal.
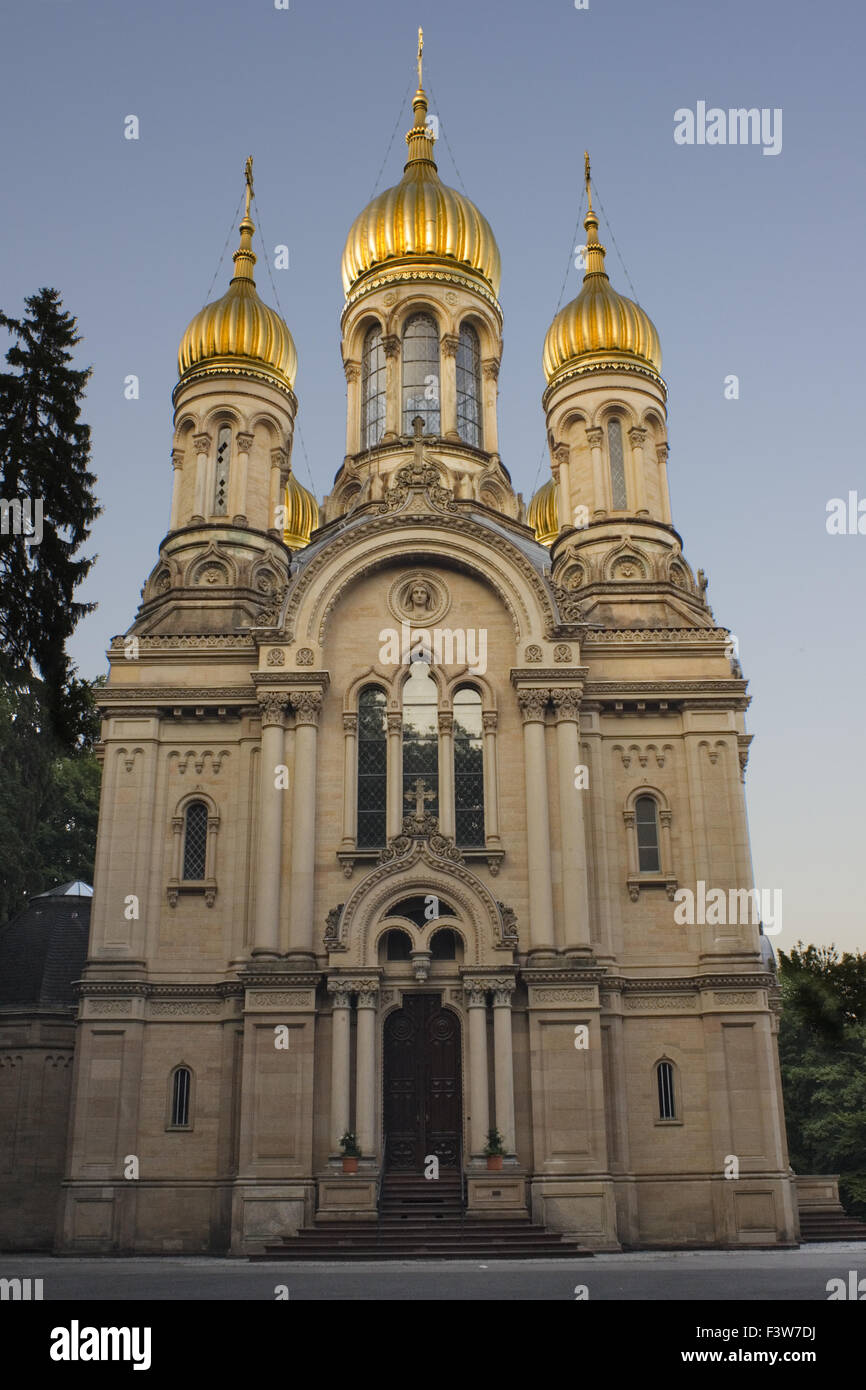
(420, 742)
(180, 1088)
(221, 476)
(195, 841)
(398, 945)
(665, 1078)
(647, 828)
(468, 768)
(372, 768)
(443, 945)
(421, 374)
(372, 389)
(619, 501)
(469, 386)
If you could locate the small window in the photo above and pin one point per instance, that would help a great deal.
(180, 1091)
(398, 945)
(195, 841)
(619, 500)
(665, 1078)
(647, 828)
(221, 477)
(373, 370)
(443, 945)
(469, 386)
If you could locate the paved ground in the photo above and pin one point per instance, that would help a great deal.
(715, 1276)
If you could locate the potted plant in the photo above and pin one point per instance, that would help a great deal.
(494, 1151)
(351, 1152)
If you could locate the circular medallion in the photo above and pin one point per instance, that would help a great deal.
(419, 598)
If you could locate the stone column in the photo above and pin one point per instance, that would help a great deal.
(176, 482)
(365, 1062)
(662, 456)
(490, 387)
(489, 722)
(393, 402)
(340, 1016)
(600, 480)
(353, 407)
(276, 485)
(446, 772)
(350, 780)
(575, 890)
(562, 468)
(449, 343)
(541, 929)
(201, 444)
(238, 476)
(479, 1108)
(394, 816)
(636, 437)
(267, 925)
(503, 1063)
(307, 705)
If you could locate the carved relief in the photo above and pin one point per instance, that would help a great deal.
(533, 653)
(305, 656)
(276, 656)
(419, 598)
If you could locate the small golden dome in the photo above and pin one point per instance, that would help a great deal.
(421, 216)
(239, 333)
(302, 514)
(599, 323)
(543, 514)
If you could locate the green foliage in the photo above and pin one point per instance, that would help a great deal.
(495, 1143)
(822, 1053)
(349, 1145)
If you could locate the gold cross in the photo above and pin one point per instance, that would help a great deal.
(419, 794)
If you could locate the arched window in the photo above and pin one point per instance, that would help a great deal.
(443, 945)
(619, 500)
(397, 945)
(372, 768)
(469, 386)
(195, 841)
(665, 1081)
(646, 819)
(420, 741)
(221, 471)
(372, 389)
(421, 373)
(468, 768)
(181, 1085)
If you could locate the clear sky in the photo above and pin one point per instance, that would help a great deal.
(749, 264)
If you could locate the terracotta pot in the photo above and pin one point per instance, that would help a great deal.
(350, 1163)
(494, 1163)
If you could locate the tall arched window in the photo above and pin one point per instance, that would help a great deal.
(468, 768)
(667, 1100)
(221, 471)
(372, 389)
(469, 386)
(421, 373)
(619, 499)
(181, 1085)
(420, 741)
(646, 819)
(195, 841)
(372, 768)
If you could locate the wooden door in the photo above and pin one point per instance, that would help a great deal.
(422, 1083)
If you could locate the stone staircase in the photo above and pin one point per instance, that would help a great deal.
(423, 1220)
(829, 1225)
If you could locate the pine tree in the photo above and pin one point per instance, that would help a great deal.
(44, 457)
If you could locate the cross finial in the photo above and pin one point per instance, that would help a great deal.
(420, 52)
(419, 794)
(418, 436)
(586, 176)
(248, 176)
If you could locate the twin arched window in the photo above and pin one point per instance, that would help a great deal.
(421, 382)
(195, 841)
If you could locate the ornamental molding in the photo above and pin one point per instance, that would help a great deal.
(186, 640)
(596, 368)
(281, 998)
(658, 1002)
(564, 996)
(744, 996)
(190, 1008)
(410, 277)
(660, 635)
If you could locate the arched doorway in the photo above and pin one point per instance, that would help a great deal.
(422, 1090)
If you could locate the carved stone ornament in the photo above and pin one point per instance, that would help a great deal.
(562, 653)
(307, 705)
(305, 656)
(421, 477)
(419, 598)
(350, 723)
(533, 704)
(489, 721)
(244, 442)
(276, 656)
(533, 653)
(449, 343)
(332, 927)
(273, 705)
(201, 443)
(570, 609)
(594, 436)
(417, 827)
(566, 703)
(509, 924)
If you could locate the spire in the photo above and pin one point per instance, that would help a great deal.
(245, 257)
(594, 250)
(419, 138)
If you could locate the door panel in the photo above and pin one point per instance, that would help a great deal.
(422, 1083)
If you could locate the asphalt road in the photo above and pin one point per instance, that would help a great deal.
(712, 1276)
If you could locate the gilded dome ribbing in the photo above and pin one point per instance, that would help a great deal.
(421, 217)
(543, 513)
(302, 514)
(600, 323)
(240, 333)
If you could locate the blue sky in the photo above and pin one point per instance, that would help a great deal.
(749, 265)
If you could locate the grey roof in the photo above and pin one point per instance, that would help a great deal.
(43, 949)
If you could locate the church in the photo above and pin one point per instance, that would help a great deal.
(399, 789)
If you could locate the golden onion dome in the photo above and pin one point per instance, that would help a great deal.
(421, 217)
(302, 514)
(543, 513)
(240, 333)
(600, 324)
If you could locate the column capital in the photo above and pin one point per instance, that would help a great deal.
(532, 704)
(446, 722)
(594, 436)
(273, 705)
(202, 443)
(566, 704)
(244, 441)
(350, 723)
(307, 705)
(490, 721)
(342, 993)
(391, 345)
(490, 368)
(395, 721)
(476, 993)
(636, 436)
(177, 458)
(662, 452)
(449, 343)
(368, 993)
(502, 992)
(352, 370)
(561, 454)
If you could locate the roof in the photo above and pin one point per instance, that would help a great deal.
(43, 949)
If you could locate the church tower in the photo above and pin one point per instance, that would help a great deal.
(404, 798)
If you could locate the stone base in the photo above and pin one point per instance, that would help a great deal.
(263, 1213)
(705, 1212)
(582, 1208)
(347, 1197)
(497, 1196)
(818, 1193)
(144, 1218)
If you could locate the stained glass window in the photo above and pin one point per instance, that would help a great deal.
(420, 741)
(421, 374)
(468, 767)
(372, 389)
(619, 500)
(647, 827)
(469, 386)
(372, 768)
(195, 841)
